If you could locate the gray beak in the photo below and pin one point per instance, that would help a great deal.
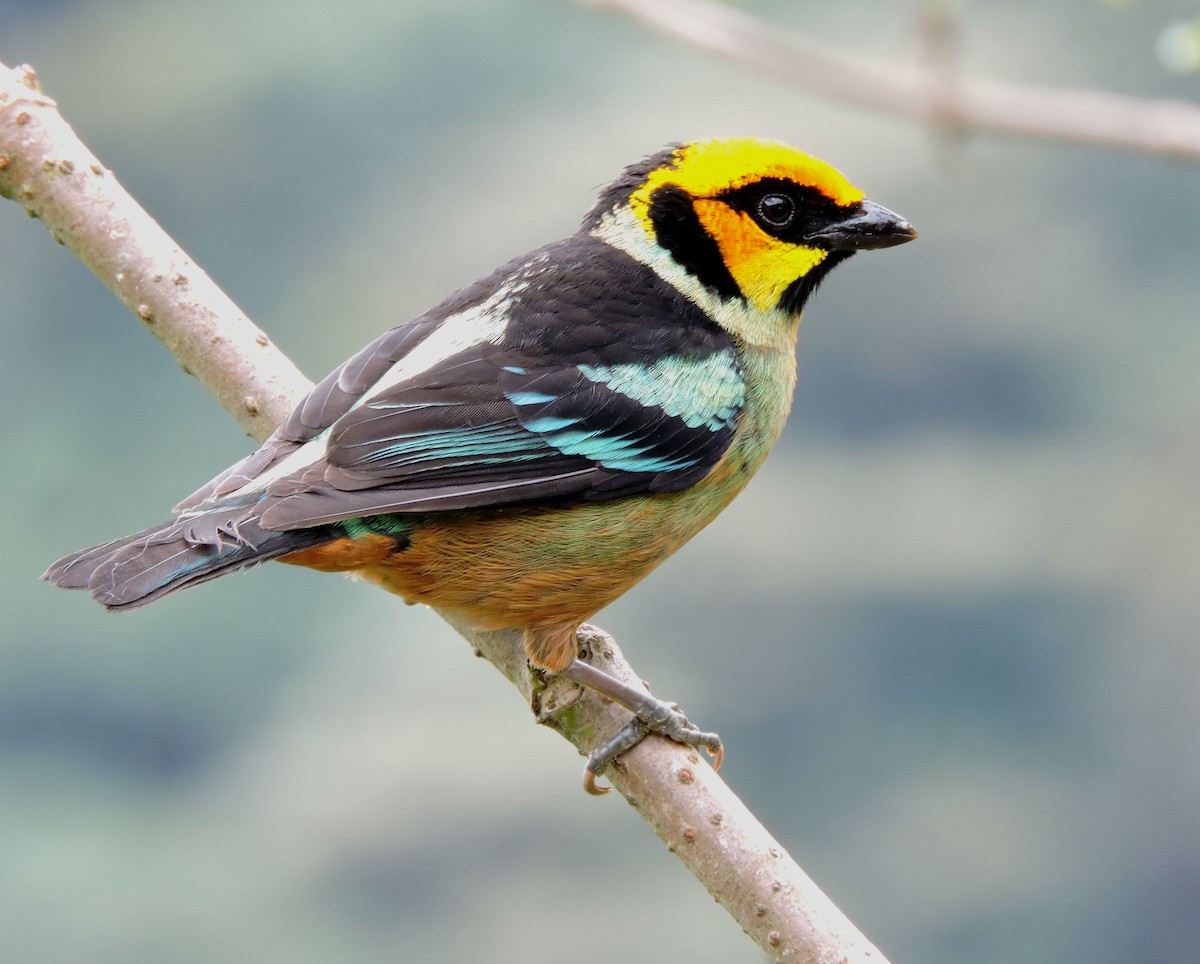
(870, 226)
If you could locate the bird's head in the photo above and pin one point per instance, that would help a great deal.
(747, 220)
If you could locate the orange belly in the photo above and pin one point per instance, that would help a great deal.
(509, 568)
(545, 569)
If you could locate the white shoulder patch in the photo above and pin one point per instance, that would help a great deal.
(483, 323)
(477, 325)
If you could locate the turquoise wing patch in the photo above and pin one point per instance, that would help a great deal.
(706, 392)
(666, 416)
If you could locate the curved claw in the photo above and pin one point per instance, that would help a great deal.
(589, 783)
(716, 752)
(650, 715)
(629, 736)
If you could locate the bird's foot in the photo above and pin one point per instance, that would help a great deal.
(632, 733)
(651, 715)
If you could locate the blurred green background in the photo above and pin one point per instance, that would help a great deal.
(949, 634)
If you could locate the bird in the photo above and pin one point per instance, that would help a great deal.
(528, 450)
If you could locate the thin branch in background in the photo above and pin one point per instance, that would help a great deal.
(47, 169)
(940, 39)
(1165, 127)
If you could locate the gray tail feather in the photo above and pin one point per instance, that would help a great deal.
(138, 569)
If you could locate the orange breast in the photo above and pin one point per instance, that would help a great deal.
(519, 567)
(545, 569)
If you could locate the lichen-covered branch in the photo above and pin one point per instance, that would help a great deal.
(926, 93)
(45, 168)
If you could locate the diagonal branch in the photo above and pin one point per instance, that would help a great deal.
(48, 170)
(1167, 127)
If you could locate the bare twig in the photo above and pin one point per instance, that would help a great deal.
(1051, 113)
(45, 167)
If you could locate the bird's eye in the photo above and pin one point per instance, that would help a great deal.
(776, 210)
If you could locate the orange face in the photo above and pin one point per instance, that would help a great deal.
(763, 266)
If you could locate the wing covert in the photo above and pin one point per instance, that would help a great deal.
(485, 430)
(539, 391)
